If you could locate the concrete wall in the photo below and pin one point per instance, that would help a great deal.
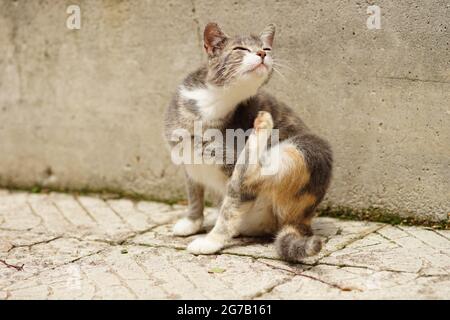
(82, 109)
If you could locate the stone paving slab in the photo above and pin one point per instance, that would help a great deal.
(152, 273)
(360, 283)
(382, 249)
(39, 252)
(89, 248)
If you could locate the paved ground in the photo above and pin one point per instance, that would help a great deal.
(84, 247)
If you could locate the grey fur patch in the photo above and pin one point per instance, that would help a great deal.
(296, 243)
(319, 159)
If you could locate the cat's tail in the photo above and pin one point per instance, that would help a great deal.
(295, 243)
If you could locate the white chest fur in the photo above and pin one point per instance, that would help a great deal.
(217, 102)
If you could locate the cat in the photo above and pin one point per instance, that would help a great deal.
(225, 94)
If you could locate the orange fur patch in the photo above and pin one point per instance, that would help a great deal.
(293, 211)
(283, 189)
(285, 184)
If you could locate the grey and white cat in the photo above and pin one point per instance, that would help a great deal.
(225, 94)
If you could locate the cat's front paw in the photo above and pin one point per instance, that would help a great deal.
(186, 227)
(263, 121)
(204, 245)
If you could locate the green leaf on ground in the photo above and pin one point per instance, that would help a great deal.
(216, 270)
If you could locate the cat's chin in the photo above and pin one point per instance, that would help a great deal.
(259, 70)
(250, 80)
(259, 74)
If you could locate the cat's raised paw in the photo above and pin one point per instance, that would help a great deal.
(263, 121)
(186, 227)
(204, 245)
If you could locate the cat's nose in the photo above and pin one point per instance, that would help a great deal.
(262, 54)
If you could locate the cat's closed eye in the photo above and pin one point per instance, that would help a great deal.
(267, 49)
(241, 48)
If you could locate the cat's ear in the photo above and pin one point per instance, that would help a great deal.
(268, 34)
(214, 39)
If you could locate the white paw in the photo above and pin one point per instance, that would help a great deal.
(263, 122)
(204, 245)
(186, 227)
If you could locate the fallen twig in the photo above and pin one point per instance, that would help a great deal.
(18, 268)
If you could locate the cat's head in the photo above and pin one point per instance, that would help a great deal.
(233, 60)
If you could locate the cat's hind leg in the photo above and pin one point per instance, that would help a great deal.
(294, 174)
(240, 197)
(296, 188)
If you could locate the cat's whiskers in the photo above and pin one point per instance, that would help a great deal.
(282, 60)
(279, 72)
(276, 63)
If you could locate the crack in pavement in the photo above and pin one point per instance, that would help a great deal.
(76, 198)
(118, 215)
(29, 246)
(301, 274)
(55, 267)
(271, 288)
(349, 242)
